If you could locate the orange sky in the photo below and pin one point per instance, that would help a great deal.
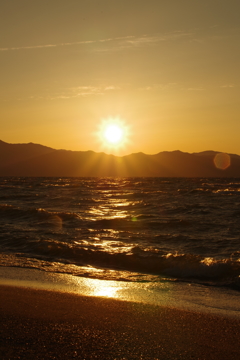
(168, 70)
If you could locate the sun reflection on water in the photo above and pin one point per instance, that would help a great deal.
(144, 290)
(99, 288)
(106, 291)
(112, 209)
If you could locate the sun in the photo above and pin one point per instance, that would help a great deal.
(113, 134)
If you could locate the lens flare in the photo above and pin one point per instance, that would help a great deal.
(222, 161)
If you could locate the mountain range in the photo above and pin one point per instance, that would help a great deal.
(41, 161)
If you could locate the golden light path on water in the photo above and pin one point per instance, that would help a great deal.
(112, 209)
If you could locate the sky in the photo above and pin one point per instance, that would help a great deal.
(167, 71)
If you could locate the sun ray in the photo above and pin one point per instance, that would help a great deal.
(113, 134)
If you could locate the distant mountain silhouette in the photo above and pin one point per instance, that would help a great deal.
(38, 160)
(15, 153)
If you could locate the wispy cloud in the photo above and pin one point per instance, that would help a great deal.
(83, 91)
(112, 88)
(92, 90)
(154, 87)
(46, 46)
(117, 43)
(170, 86)
(149, 40)
(88, 90)
(227, 86)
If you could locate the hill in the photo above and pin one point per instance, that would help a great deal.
(38, 160)
(11, 154)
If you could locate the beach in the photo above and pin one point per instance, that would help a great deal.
(135, 268)
(44, 324)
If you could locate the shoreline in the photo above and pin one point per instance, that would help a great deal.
(180, 295)
(44, 324)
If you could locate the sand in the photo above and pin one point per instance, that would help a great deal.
(41, 324)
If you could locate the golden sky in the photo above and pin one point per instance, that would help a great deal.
(167, 70)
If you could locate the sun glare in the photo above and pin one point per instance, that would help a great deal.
(113, 134)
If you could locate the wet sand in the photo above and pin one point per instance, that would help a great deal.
(40, 324)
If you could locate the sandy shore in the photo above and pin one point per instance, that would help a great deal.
(39, 324)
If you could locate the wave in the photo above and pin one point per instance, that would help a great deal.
(11, 211)
(132, 225)
(45, 217)
(180, 267)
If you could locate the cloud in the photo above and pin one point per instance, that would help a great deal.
(159, 87)
(115, 43)
(151, 40)
(228, 86)
(88, 90)
(131, 41)
(112, 88)
(83, 91)
(47, 46)
(122, 43)
(170, 86)
(93, 90)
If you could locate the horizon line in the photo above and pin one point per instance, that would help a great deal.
(138, 152)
